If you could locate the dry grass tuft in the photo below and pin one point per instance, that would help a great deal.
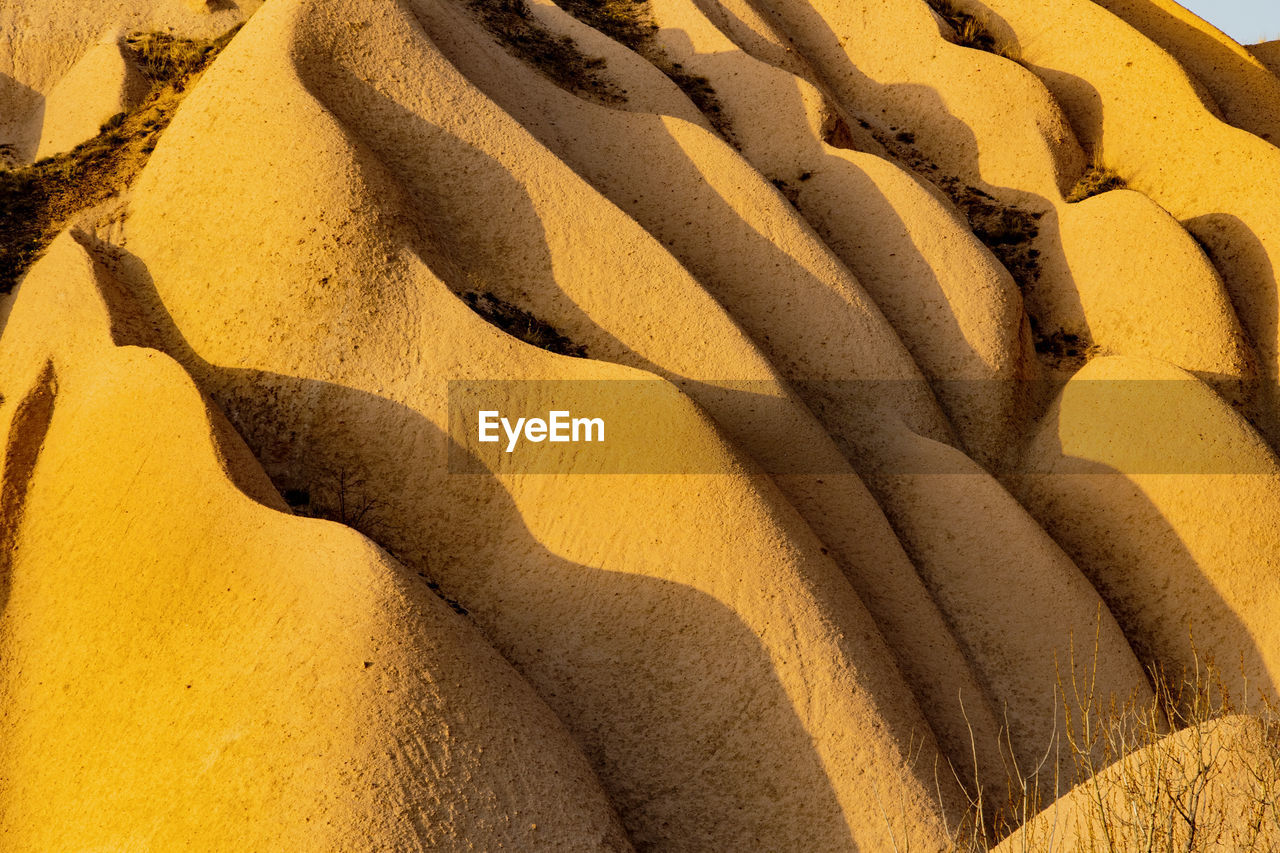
(1096, 180)
(969, 31)
(37, 201)
(1138, 789)
(167, 60)
(519, 323)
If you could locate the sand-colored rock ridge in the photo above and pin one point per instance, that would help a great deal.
(225, 674)
(933, 348)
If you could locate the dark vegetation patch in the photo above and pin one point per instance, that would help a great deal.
(556, 56)
(37, 201)
(519, 323)
(1096, 180)
(1008, 231)
(625, 21)
(1060, 348)
(435, 587)
(836, 132)
(791, 193)
(969, 31)
(167, 60)
(628, 23)
(1060, 344)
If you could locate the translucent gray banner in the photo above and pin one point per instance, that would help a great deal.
(651, 427)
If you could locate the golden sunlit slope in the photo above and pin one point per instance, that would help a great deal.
(936, 343)
(187, 665)
(103, 82)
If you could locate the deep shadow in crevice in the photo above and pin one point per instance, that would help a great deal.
(27, 430)
(20, 128)
(1245, 266)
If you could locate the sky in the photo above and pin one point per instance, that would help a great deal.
(1246, 21)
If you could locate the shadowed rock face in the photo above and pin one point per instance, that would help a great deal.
(917, 470)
